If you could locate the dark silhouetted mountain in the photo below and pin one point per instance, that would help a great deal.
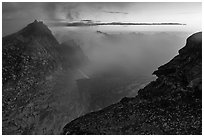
(32, 72)
(172, 104)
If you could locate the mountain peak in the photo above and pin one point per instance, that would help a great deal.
(36, 28)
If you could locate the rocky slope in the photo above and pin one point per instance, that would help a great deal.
(170, 105)
(35, 83)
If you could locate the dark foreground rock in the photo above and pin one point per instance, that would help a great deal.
(170, 105)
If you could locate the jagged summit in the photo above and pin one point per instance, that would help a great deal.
(28, 36)
(37, 28)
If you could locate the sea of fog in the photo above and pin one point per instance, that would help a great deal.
(134, 49)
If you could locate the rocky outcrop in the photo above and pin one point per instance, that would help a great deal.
(170, 105)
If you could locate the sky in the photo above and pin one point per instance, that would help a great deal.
(18, 15)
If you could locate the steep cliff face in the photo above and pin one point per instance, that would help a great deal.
(170, 105)
(34, 82)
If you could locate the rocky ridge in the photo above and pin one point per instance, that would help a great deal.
(32, 71)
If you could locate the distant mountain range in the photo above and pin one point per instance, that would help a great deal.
(92, 23)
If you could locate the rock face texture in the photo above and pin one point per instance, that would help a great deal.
(170, 105)
(35, 88)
